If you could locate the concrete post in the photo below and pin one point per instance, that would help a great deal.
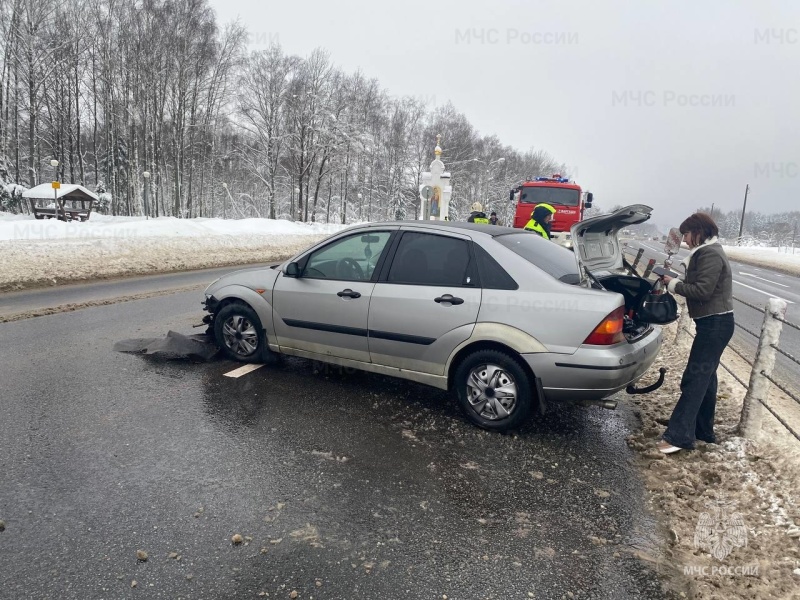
(758, 390)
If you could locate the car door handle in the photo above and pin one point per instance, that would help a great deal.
(348, 293)
(449, 298)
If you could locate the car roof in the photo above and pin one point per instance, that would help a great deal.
(490, 230)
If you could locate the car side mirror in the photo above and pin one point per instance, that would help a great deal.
(589, 199)
(292, 270)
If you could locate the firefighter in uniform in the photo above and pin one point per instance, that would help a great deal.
(477, 215)
(541, 217)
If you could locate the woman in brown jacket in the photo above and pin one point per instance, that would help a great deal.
(708, 288)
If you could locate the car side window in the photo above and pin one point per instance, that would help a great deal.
(428, 259)
(352, 258)
(493, 276)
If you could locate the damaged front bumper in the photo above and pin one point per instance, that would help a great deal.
(210, 305)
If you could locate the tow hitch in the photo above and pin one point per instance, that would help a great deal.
(632, 389)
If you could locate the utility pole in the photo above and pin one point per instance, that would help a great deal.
(744, 208)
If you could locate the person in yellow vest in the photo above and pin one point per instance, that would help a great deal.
(477, 215)
(541, 218)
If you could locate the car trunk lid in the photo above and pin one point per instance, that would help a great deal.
(596, 240)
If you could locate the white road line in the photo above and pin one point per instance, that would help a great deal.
(762, 279)
(243, 370)
(653, 249)
(762, 292)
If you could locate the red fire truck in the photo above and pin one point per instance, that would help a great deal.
(562, 194)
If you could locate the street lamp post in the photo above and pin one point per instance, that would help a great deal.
(56, 185)
(146, 176)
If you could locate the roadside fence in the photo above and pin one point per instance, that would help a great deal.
(762, 366)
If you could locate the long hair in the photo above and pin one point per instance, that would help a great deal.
(700, 225)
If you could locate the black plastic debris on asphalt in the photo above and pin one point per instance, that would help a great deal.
(198, 347)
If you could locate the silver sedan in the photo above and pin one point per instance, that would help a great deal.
(502, 317)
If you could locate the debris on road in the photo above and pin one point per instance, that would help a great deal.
(175, 345)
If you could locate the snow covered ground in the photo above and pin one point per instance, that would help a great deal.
(48, 252)
(756, 480)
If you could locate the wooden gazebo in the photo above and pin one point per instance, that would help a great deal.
(69, 196)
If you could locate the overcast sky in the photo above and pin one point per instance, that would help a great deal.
(674, 104)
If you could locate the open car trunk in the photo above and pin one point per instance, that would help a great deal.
(600, 261)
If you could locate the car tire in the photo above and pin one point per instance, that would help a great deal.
(240, 335)
(479, 381)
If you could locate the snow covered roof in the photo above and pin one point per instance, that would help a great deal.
(68, 190)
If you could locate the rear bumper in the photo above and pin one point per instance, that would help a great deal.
(594, 372)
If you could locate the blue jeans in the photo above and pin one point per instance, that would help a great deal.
(693, 416)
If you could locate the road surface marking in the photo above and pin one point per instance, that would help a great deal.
(762, 292)
(762, 279)
(653, 249)
(243, 370)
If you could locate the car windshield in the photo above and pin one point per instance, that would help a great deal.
(549, 257)
(550, 195)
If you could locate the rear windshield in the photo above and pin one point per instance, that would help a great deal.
(548, 256)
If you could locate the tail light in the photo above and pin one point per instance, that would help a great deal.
(609, 331)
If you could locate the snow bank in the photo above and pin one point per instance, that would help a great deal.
(48, 252)
(771, 258)
(45, 252)
(25, 227)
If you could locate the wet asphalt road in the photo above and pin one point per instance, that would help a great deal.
(344, 484)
